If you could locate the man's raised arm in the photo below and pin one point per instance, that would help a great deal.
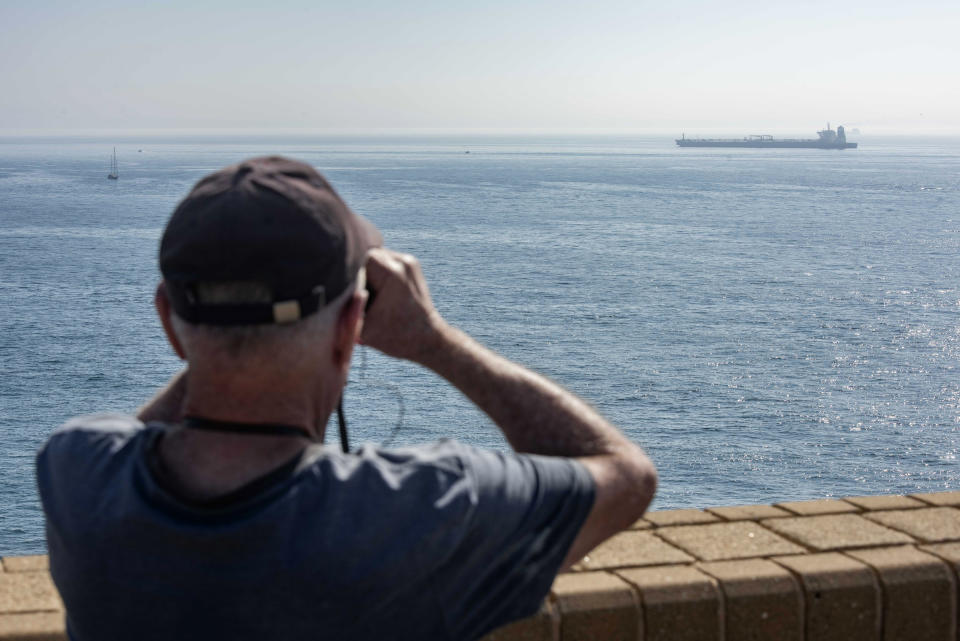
(536, 415)
(167, 404)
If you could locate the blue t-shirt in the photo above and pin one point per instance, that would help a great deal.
(440, 541)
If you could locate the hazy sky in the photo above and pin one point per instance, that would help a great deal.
(680, 65)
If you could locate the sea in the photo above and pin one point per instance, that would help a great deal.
(769, 325)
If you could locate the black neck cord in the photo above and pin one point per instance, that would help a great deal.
(342, 424)
(265, 429)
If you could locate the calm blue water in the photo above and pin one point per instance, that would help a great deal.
(769, 324)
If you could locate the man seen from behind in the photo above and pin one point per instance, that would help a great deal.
(218, 513)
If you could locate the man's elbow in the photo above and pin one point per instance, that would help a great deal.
(637, 487)
(643, 486)
(626, 481)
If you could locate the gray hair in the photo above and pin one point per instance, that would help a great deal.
(235, 341)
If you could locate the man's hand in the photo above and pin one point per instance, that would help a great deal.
(401, 321)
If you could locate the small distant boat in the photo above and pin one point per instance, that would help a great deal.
(114, 174)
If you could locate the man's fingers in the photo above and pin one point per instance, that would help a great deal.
(377, 267)
(402, 320)
(384, 263)
(411, 266)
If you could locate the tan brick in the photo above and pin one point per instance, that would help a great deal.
(596, 605)
(679, 517)
(542, 626)
(887, 502)
(821, 506)
(836, 532)
(35, 563)
(930, 525)
(842, 596)
(633, 549)
(32, 626)
(949, 552)
(724, 541)
(940, 499)
(919, 593)
(761, 600)
(28, 592)
(680, 603)
(748, 512)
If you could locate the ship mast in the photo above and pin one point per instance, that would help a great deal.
(114, 174)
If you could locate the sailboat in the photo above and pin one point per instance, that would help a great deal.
(114, 174)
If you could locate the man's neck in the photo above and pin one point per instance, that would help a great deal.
(204, 464)
(289, 393)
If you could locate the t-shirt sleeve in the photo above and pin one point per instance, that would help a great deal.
(527, 511)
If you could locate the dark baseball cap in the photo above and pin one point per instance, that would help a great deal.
(270, 221)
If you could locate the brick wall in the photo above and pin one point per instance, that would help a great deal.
(871, 568)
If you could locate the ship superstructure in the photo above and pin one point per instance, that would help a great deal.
(827, 139)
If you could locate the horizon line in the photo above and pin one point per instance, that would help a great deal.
(51, 132)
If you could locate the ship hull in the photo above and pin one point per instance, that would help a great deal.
(766, 144)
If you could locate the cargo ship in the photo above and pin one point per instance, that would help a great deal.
(828, 139)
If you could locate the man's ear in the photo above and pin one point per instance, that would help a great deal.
(162, 302)
(349, 328)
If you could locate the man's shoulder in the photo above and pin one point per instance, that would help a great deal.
(412, 471)
(437, 461)
(453, 466)
(105, 425)
(103, 422)
(442, 482)
(443, 453)
(105, 433)
(85, 460)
